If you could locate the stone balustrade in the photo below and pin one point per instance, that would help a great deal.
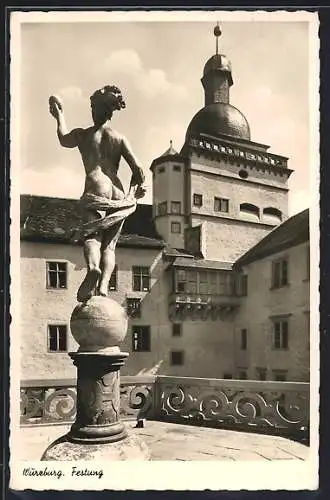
(262, 406)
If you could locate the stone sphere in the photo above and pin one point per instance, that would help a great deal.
(98, 324)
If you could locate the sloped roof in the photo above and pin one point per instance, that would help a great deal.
(52, 220)
(169, 155)
(202, 264)
(290, 233)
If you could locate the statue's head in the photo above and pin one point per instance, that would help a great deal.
(105, 101)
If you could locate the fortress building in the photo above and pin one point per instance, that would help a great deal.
(214, 276)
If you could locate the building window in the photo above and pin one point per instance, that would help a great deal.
(177, 168)
(113, 280)
(249, 212)
(198, 200)
(57, 338)
(242, 374)
(242, 285)
(175, 227)
(281, 334)
(262, 373)
(177, 357)
(272, 215)
(162, 208)
(176, 330)
(221, 205)
(141, 338)
(181, 281)
(133, 307)
(244, 339)
(56, 275)
(175, 207)
(227, 376)
(141, 279)
(279, 273)
(280, 375)
(161, 170)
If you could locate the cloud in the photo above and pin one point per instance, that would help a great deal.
(70, 93)
(56, 181)
(151, 83)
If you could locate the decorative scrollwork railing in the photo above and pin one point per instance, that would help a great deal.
(281, 407)
(51, 401)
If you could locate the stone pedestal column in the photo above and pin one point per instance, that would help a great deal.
(98, 398)
(98, 433)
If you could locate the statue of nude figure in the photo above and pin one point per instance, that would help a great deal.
(101, 149)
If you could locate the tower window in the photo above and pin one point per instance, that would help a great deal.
(177, 357)
(161, 170)
(57, 338)
(175, 227)
(176, 330)
(198, 200)
(221, 205)
(56, 274)
(175, 207)
(279, 273)
(141, 338)
(162, 208)
(141, 279)
(177, 168)
(113, 279)
(281, 334)
(249, 211)
(272, 214)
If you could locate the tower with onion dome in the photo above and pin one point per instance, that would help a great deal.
(233, 190)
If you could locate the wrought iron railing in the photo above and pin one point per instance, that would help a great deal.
(263, 406)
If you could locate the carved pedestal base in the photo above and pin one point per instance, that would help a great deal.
(98, 433)
(130, 448)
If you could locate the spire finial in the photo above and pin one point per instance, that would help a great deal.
(171, 143)
(217, 32)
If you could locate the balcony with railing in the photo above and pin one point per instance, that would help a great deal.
(204, 294)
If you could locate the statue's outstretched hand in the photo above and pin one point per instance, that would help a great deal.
(55, 106)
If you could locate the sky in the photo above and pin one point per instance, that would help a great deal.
(158, 67)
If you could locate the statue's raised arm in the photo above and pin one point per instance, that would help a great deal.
(67, 139)
(104, 203)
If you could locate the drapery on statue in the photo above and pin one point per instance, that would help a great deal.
(104, 203)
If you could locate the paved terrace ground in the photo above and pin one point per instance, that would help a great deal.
(169, 441)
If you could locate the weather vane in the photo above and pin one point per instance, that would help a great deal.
(217, 32)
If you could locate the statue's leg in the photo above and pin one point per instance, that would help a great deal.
(92, 254)
(109, 243)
